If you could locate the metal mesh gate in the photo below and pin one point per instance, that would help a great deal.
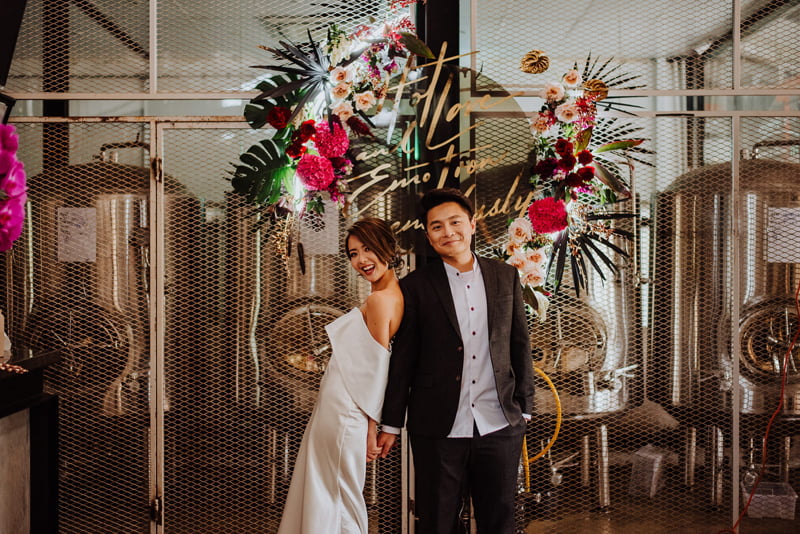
(191, 350)
(245, 353)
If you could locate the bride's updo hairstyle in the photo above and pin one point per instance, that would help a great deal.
(378, 236)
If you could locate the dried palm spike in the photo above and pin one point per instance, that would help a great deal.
(534, 62)
(597, 88)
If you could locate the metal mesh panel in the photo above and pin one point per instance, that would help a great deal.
(104, 46)
(650, 38)
(82, 47)
(188, 64)
(769, 51)
(246, 347)
(79, 287)
(643, 363)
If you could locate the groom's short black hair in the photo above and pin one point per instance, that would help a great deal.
(435, 197)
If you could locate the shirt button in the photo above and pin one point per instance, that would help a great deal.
(473, 356)
(472, 308)
(473, 333)
(467, 286)
(474, 381)
(473, 404)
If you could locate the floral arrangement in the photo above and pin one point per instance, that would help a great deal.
(13, 190)
(527, 251)
(575, 181)
(324, 96)
(13, 196)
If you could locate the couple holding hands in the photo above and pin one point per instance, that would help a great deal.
(448, 346)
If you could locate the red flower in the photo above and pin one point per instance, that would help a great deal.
(546, 167)
(359, 127)
(573, 179)
(331, 144)
(296, 149)
(278, 117)
(547, 215)
(586, 174)
(315, 172)
(585, 157)
(563, 147)
(306, 131)
(567, 162)
(341, 165)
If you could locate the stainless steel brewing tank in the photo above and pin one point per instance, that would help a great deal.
(695, 269)
(588, 346)
(84, 271)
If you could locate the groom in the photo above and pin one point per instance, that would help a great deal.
(461, 365)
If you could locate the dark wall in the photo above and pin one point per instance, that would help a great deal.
(10, 20)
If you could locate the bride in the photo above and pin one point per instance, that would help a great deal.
(326, 493)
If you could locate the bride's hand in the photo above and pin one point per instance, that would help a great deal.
(373, 451)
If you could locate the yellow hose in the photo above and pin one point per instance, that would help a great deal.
(526, 463)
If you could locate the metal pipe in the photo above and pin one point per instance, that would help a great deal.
(603, 487)
(691, 456)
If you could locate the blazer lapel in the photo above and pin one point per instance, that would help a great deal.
(441, 286)
(492, 286)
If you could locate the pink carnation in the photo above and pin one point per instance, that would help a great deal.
(548, 215)
(315, 172)
(331, 145)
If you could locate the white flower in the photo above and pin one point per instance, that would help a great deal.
(339, 51)
(344, 110)
(572, 78)
(553, 92)
(567, 112)
(365, 100)
(520, 231)
(542, 303)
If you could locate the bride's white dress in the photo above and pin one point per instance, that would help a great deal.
(326, 493)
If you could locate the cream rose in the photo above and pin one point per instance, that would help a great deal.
(512, 248)
(365, 100)
(533, 276)
(342, 74)
(344, 110)
(340, 91)
(567, 112)
(517, 260)
(535, 256)
(572, 78)
(540, 123)
(520, 231)
(553, 92)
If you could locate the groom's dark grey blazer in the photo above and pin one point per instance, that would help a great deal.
(427, 352)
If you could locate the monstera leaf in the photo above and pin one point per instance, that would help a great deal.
(264, 172)
(256, 111)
